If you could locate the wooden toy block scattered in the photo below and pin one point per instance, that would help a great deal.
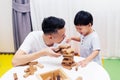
(29, 71)
(15, 76)
(76, 68)
(33, 63)
(26, 75)
(40, 65)
(79, 78)
(32, 68)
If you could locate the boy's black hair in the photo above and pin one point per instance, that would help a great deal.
(52, 24)
(83, 18)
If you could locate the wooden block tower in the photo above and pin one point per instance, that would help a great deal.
(68, 56)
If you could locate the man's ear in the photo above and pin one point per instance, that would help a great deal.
(89, 24)
(50, 37)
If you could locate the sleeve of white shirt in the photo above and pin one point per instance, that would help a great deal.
(95, 43)
(27, 43)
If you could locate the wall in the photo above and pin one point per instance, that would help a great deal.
(6, 31)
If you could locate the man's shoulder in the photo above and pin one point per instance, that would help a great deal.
(36, 32)
(33, 33)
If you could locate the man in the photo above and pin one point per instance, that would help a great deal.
(39, 43)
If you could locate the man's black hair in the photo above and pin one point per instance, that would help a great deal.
(83, 18)
(52, 24)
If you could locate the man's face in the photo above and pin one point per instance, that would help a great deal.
(59, 36)
(83, 29)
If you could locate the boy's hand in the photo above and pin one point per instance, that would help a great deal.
(83, 63)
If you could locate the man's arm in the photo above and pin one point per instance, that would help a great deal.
(21, 58)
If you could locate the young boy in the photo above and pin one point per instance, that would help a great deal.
(89, 46)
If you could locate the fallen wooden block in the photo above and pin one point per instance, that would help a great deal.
(79, 78)
(40, 65)
(29, 71)
(33, 63)
(15, 76)
(26, 75)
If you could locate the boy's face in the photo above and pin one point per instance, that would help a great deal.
(59, 36)
(84, 29)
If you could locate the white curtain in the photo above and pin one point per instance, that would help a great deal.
(106, 15)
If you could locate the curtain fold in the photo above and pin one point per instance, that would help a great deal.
(22, 24)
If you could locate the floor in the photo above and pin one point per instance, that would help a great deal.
(113, 68)
(5, 63)
(111, 65)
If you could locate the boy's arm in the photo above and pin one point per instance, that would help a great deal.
(73, 38)
(89, 58)
(92, 56)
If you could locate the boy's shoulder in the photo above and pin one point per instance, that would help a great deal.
(95, 34)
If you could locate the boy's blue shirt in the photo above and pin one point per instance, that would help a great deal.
(88, 44)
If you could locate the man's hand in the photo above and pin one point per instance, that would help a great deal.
(68, 40)
(50, 52)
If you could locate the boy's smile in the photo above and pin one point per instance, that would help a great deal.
(84, 29)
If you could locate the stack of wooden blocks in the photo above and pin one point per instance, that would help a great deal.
(68, 56)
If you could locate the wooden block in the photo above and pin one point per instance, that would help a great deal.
(26, 75)
(33, 63)
(49, 78)
(73, 64)
(29, 71)
(67, 67)
(57, 50)
(35, 68)
(53, 76)
(32, 70)
(76, 54)
(70, 50)
(40, 65)
(26, 70)
(76, 68)
(15, 76)
(79, 78)
(64, 46)
(63, 51)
